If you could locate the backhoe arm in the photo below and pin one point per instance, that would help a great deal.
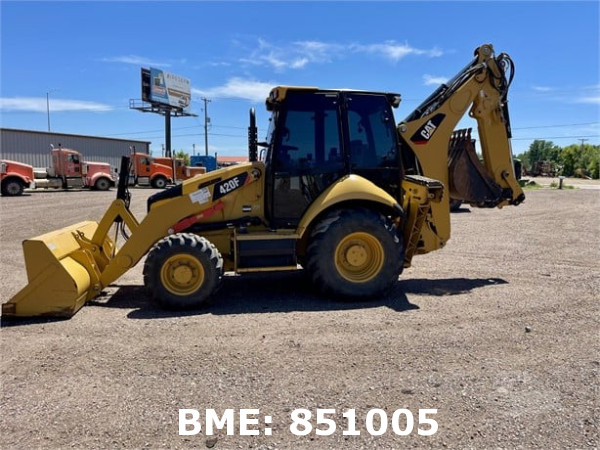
(446, 155)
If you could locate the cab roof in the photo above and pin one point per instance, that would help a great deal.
(279, 93)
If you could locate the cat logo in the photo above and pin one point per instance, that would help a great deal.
(426, 132)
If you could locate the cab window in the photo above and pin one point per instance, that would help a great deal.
(306, 156)
(372, 132)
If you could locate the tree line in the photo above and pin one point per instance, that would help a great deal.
(571, 161)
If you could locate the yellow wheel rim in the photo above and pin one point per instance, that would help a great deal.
(359, 257)
(182, 274)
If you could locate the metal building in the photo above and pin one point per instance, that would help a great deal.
(33, 147)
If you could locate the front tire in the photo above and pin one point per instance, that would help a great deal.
(355, 254)
(182, 271)
(159, 183)
(102, 184)
(12, 187)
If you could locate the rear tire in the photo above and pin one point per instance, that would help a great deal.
(182, 271)
(102, 184)
(12, 187)
(355, 254)
(159, 183)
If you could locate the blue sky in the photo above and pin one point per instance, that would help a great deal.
(87, 56)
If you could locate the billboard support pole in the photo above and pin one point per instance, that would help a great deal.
(168, 153)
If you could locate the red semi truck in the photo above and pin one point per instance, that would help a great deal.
(182, 171)
(68, 170)
(145, 170)
(15, 177)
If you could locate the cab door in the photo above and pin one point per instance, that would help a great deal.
(72, 164)
(372, 140)
(306, 155)
(144, 166)
(180, 169)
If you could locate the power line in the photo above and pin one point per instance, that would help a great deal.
(578, 138)
(178, 128)
(198, 134)
(556, 126)
(244, 136)
(243, 128)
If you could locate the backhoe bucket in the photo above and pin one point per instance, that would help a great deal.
(63, 269)
(469, 180)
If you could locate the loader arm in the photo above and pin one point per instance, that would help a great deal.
(429, 132)
(175, 210)
(68, 267)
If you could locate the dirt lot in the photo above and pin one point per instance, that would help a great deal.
(498, 332)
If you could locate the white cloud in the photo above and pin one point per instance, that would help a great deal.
(430, 80)
(315, 51)
(295, 56)
(38, 104)
(137, 60)
(593, 99)
(299, 63)
(571, 94)
(590, 95)
(299, 54)
(543, 89)
(252, 90)
(394, 51)
(218, 64)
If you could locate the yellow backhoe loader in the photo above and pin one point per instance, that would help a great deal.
(340, 190)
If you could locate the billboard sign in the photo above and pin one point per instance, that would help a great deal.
(165, 88)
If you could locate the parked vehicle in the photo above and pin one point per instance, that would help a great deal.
(351, 206)
(544, 169)
(207, 161)
(146, 171)
(68, 170)
(15, 177)
(182, 171)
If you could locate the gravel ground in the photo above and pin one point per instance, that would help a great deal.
(498, 332)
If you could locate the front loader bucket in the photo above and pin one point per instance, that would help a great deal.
(62, 273)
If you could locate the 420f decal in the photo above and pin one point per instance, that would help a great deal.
(229, 185)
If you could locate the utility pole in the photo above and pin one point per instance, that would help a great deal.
(48, 92)
(206, 120)
(48, 109)
(582, 141)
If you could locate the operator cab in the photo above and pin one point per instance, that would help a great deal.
(317, 136)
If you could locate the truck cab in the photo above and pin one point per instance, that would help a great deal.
(67, 163)
(15, 177)
(182, 171)
(146, 171)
